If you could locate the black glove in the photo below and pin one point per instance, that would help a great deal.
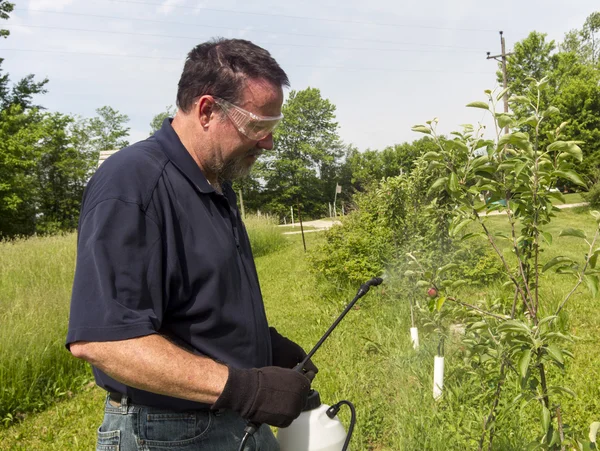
(288, 354)
(270, 395)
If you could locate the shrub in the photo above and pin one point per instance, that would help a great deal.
(593, 196)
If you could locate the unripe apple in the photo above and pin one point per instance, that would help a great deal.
(432, 292)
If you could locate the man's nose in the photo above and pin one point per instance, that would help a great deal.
(266, 143)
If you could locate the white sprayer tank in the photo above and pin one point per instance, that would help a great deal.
(313, 430)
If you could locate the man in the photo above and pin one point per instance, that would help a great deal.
(166, 303)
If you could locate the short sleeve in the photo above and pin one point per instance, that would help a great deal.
(117, 290)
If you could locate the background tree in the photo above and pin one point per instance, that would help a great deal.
(46, 158)
(302, 167)
(573, 86)
(107, 129)
(5, 9)
(156, 122)
(371, 166)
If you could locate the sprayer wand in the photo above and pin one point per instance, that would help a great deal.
(364, 289)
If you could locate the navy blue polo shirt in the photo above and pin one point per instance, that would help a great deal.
(160, 251)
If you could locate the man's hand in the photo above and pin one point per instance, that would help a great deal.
(271, 395)
(288, 354)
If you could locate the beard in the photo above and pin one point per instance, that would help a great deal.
(234, 168)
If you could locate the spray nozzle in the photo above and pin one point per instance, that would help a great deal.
(364, 288)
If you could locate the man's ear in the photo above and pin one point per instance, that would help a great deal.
(206, 105)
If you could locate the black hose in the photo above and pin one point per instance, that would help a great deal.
(249, 431)
(333, 411)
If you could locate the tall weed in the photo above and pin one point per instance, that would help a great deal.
(265, 235)
(36, 276)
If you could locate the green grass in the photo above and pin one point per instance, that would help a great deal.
(573, 198)
(265, 236)
(368, 359)
(35, 285)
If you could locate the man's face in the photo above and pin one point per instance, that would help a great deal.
(235, 153)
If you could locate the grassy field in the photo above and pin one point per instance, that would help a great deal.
(368, 360)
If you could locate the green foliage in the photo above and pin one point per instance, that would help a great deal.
(46, 159)
(107, 131)
(5, 8)
(515, 174)
(157, 120)
(593, 196)
(572, 87)
(396, 216)
(371, 166)
(301, 168)
(357, 250)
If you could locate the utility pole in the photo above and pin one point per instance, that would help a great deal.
(503, 56)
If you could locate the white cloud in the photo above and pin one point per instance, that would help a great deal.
(57, 5)
(169, 5)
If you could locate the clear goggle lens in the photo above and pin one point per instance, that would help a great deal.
(249, 124)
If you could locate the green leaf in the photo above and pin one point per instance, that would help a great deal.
(479, 104)
(518, 99)
(596, 215)
(555, 261)
(558, 195)
(558, 146)
(594, 428)
(524, 363)
(453, 182)
(448, 267)
(480, 161)
(440, 303)
(468, 236)
(504, 120)
(555, 353)
(432, 156)
(421, 129)
(551, 111)
(594, 259)
(570, 148)
(592, 282)
(459, 283)
(514, 326)
(502, 93)
(573, 232)
(423, 283)
(545, 419)
(570, 175)
(546, 320)
(439, 182)
(461, 226)
(547, 237)
(575, 151)
(556, 389)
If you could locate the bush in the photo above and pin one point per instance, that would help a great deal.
(593, 196)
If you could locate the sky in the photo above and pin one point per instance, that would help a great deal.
(385, 64)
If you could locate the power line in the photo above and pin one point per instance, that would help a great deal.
(379, 24)
(169, 22)
(345, 68)
(195, 38)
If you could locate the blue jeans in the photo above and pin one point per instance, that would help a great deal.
(131, 427)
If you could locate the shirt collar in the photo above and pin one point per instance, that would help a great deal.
(180, 157)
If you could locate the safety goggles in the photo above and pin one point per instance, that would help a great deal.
(249, 124)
